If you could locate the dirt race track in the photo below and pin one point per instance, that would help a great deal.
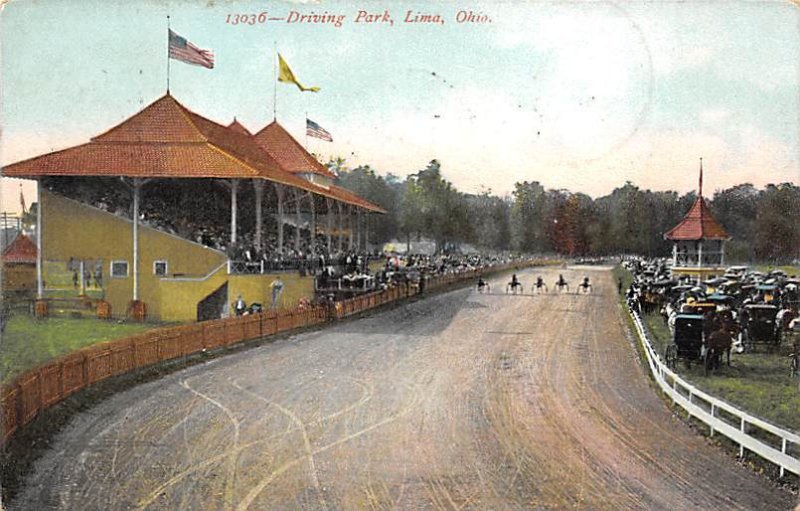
(460, 401)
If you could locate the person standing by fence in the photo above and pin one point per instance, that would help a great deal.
(277, 289)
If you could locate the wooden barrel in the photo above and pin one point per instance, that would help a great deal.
(103, 310)
(41, 308)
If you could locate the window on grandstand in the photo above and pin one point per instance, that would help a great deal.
(160, 268)
(119, 269)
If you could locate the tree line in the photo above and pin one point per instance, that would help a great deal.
(764, 223)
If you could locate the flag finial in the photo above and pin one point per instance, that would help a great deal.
(700, 184)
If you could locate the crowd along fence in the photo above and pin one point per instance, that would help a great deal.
(38, 389)
(751, 434)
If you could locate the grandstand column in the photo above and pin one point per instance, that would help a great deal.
(350, 227)
(341, 227)
(297, 219)
(137, 307)
(313, 224)
(329, 221)
(234, 185)
(279, 194)
(41, 305)
(258, 187)
(358, 229)
(366, 232)
(674, 255)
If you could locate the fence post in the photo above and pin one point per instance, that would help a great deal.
(713, 409)
(783, 450)
(741, 446)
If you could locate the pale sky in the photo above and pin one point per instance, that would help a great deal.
(578, 95)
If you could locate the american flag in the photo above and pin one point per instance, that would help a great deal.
(315, 130)
(183, 50)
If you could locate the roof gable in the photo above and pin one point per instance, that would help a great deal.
(288, 152)
(238, 127)
(164, 120)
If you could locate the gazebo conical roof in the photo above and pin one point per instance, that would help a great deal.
(21, 251)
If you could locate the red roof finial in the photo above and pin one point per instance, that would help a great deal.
(700, 187)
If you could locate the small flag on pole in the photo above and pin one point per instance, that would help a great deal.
(183, 50)
(315, 130)
(287, 76)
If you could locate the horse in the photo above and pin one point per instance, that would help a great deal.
(718, 343)
(561, 284)
(483, 285)
(514, 284)
(540, 284)
(584, 287)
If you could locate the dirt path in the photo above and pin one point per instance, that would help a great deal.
(461, 401)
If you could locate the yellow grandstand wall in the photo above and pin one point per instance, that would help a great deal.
(179, 296)
(73, 229)
(257, 288)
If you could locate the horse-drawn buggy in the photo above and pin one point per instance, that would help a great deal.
(561, 284)
(759, 325)
(584, 287)
(697, 338)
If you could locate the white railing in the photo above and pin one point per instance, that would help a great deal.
(690, 399)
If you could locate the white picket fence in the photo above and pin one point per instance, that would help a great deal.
(706, 408)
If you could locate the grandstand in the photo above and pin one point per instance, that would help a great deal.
(169, 205)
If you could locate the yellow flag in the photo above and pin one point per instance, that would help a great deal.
(286, 76)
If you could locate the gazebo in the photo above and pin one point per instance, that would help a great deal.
(698, 241)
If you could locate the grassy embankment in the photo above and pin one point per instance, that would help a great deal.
(28, 342)
(756, 382)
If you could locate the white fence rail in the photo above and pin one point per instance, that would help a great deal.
(738, 426)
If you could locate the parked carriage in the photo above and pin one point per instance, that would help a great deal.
(760, 326)
(691, 344)
(687, 340)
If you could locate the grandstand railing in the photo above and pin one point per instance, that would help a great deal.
(261, 266)
(747, 431)
(34, 391)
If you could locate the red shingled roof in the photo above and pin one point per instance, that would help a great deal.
(288, 152)
(698, 224)
(237, 126)
(21, 250)
(167, 140)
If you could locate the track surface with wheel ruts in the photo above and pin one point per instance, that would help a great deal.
(460, 401)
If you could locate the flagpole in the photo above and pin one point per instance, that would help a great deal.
(168, 31)
(275, 82)
(306, 130)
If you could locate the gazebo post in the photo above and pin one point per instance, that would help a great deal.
(297, 220)
(258, 187)
(279, 194)
(329, 220)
